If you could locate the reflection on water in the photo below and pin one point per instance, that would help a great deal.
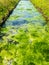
(25, 13)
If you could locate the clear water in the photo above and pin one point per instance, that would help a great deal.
(25, 13)
(23, 28)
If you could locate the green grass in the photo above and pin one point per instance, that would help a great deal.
(29, 45)
(43, 6)
(5, 7)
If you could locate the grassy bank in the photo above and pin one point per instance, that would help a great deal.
(43, 7)
(5, 7)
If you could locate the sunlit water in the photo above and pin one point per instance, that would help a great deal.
(25, 13)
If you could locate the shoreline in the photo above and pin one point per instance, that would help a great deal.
(7, 15)
(41, 11)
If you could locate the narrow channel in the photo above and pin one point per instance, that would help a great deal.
(25, 13)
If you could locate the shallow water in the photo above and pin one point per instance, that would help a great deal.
(23, 28)
(25, 13)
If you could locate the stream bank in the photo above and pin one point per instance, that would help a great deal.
(5, 17)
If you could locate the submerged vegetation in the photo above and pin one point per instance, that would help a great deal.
(43, 6)
(27, 45)
(5, 7)
(24, 38)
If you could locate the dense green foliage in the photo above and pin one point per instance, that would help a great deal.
(43, 6)
(5, 7)
(27, 45)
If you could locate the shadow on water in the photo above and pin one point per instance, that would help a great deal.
(15, 23)
(19, 22)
